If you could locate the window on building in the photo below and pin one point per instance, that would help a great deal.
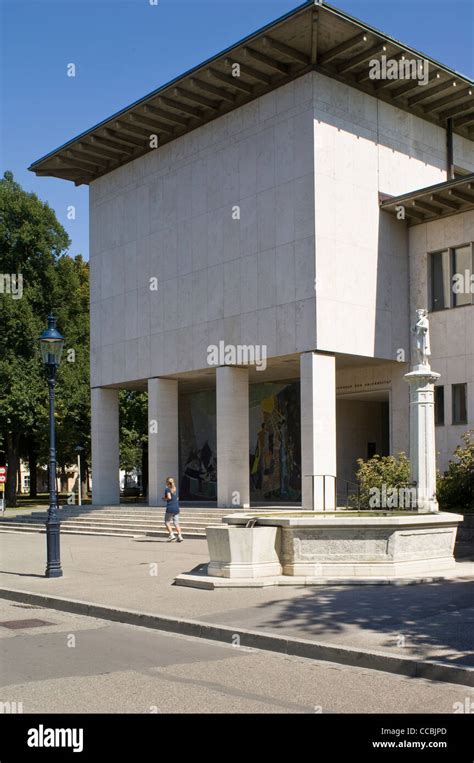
(440, 280)
(451, 277)
(462, 272)
(439, 406)
(459, 403)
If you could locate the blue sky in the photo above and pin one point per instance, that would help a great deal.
(123, 49)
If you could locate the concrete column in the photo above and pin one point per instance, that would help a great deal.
(318, 430)
(105, 446)
(422, 437)
(399, 400)
(232, 411)
(163, 446)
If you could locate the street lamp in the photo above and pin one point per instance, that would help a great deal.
(51, 344)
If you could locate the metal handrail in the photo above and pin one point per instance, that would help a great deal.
(357, 486)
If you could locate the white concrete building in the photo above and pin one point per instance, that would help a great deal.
(295, 207)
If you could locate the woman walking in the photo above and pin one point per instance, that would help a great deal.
(172, 510)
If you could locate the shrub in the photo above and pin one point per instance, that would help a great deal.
(455, 488)
(382, 472)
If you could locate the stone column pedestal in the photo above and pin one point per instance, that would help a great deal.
(163, 445)
(232, 414)
(318, 431)
(105, 446)
(422, 436)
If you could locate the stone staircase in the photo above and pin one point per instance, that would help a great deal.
(127, 520)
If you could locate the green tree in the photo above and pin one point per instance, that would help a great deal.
(32, 255)
(134, 431)
(455, 488)
(73, 390)
(380, 471)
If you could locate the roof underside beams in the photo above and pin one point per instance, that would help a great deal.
(311, 38)
(434, 202)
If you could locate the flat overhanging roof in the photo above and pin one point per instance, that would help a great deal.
(433, 202)
(312, 37)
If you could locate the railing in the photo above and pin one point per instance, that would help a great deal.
(351, 494)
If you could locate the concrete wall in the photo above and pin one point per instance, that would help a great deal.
(363, 146)
(358, 423)
(305, 164)
(384, 380)
(452, 330)
(463, 152)
(169, 215)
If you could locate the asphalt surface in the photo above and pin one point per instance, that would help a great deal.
(86, 665)
(429, 621)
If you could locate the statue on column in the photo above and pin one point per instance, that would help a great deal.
(422, 334)
(422, 421)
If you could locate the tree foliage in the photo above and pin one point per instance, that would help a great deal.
(133, 428)
(382, 472)
(73, 391)
(455, 488)
(33, 248)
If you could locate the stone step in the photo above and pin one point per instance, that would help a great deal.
(126, 523)
(30, 527)
(124, 515)
(64, 530)
(120, 521)
(142, 527)
(116, 532)
(133, 529)
(123, 523)
(193, 509)
(141, 509)
(69, 531)
(131, 515)
(135, 512)
(139, 526)
(138, 507)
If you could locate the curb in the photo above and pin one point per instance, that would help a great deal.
(296, 647)
(211, 583)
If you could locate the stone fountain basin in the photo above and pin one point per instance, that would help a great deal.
(341, 544)
(243, 552)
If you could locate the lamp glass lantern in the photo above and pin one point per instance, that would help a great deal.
(51, 344)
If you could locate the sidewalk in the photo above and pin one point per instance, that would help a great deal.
(424, 622)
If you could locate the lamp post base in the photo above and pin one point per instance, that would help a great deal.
(53, 565)
(53, 572)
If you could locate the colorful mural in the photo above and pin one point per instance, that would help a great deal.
(197, 446)
(275, 452)
(274, 431)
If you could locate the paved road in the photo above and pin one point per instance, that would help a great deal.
(433, 621)
(87, 665)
